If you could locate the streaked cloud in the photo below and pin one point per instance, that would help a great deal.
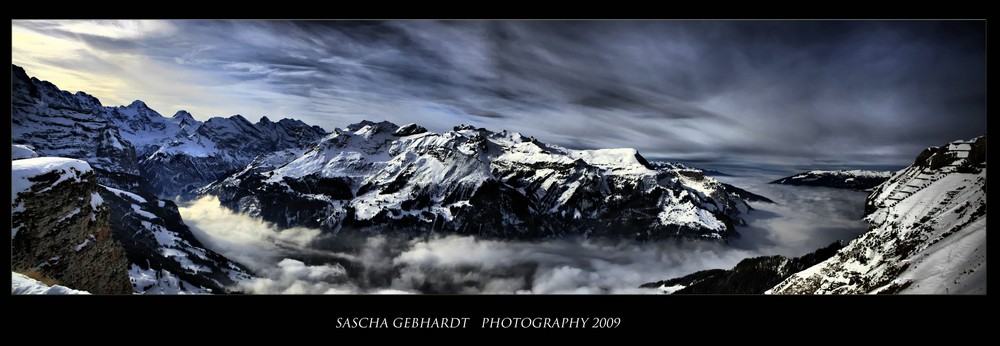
(734, 92)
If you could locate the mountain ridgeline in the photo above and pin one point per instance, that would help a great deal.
(382, 177)
(367, 177)
(859, 180)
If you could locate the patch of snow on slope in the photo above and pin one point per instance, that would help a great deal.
(125, 194)
(22, 284)
(80, 246)
(19, 151)
(620, 161)
(150, 281)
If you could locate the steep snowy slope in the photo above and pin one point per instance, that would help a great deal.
(844, 179)
(22, 284)
(379, 176)
(928, 232)
(164, 256)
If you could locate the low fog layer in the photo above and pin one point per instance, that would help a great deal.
(306, 261)
(804, 218)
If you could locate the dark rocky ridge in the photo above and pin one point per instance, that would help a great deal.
(747, 195)
(853, 180)
(751, 276)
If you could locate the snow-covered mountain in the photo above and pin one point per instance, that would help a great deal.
(380, 176)
(174, 155)
(368, 176)
(860, 180)
(60, 124)
(162, 254)
(928, 232)
(216, 147)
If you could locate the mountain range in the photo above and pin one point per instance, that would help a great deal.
(365, 177)
(93, 190)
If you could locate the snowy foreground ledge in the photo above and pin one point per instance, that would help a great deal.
(21, 284)
(21, 170)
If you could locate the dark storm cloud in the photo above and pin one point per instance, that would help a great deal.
(786, 92)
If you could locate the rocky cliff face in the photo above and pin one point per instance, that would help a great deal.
(60, 226)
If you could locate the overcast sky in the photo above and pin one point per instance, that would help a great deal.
(721, 92)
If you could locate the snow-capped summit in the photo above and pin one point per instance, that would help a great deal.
(377, 175)
(183, 114)
(409, 130)
(185, 119)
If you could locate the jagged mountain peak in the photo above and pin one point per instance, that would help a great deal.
(137, 115)
(463, 127)
(240, 118)
(367, 127)
(18, 72)
(88, 99)
(296, 122)
(409, 130)
(183, 115)
(137, 104)
(230, 120)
